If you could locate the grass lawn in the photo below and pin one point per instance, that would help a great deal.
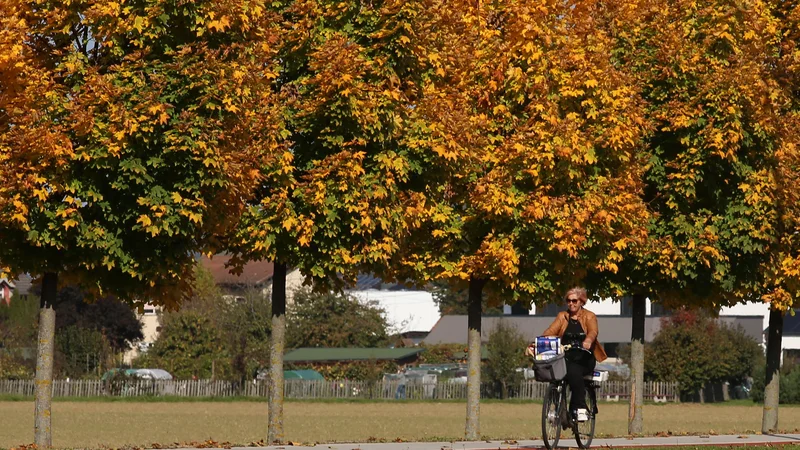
(115, 424)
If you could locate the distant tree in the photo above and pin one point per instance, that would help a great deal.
(18, 326)
(694, 349)
(18, 323)
(114, 319)
(506, 355)
(81, 352)
(243, 324)
(334, 320)
(189, 345)
(246, 328)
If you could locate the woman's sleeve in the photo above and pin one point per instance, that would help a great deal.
(552, 330)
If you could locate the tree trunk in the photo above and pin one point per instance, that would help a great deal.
(43, 390)
(278, 341)
(639, 310)
(474, 300)
(769, 421)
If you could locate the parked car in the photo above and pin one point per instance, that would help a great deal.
(143, 374)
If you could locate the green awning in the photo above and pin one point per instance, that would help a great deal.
(309, 354)
(302, 375)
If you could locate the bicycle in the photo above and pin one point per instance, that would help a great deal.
(555, 414)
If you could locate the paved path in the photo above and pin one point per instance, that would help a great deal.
(749, 439)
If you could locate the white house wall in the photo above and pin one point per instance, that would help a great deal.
(405, 310)
(791, 342)
(150, 330)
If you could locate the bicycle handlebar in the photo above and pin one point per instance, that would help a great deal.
(575, 347)
(564, 349)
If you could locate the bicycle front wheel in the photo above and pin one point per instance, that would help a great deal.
(584, 431)
(551, 417)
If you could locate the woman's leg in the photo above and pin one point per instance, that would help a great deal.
(579, 365)
(575, 373)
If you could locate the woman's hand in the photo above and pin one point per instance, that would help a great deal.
(587, 344)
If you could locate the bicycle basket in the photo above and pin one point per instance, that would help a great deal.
(553, 369)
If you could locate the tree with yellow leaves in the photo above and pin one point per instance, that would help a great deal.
(703, 68)
(780, 275)
(522, 145)
(329, 206)
(129, 134)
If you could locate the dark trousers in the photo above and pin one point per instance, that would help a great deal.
(579, 364)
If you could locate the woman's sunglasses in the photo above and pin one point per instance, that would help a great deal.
(573, 300)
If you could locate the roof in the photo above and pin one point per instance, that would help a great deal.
(613, 329)
(318, 354)
(7, 281)
(254, 273)
(367, 281)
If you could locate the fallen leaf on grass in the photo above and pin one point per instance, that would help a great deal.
(25, 447)
(510, 442)
(713, 433)
(662, 434)
(743, 436)
(294, 444)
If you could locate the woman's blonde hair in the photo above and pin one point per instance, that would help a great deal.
(580, 292)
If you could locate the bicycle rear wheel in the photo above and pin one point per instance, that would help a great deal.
(551, 417)
(584, 431)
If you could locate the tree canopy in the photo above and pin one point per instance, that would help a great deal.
(334, 320)
(522, 147)
(129, 137)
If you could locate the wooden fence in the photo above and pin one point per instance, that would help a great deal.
(320, 389)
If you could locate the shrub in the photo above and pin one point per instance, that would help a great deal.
(694, 349)
(789, 383)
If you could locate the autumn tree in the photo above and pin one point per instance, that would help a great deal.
(327, 208)
(522, 148)
(703, 69)
(128, 140)
(780, 280)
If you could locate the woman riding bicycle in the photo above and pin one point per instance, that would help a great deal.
(577, 326)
